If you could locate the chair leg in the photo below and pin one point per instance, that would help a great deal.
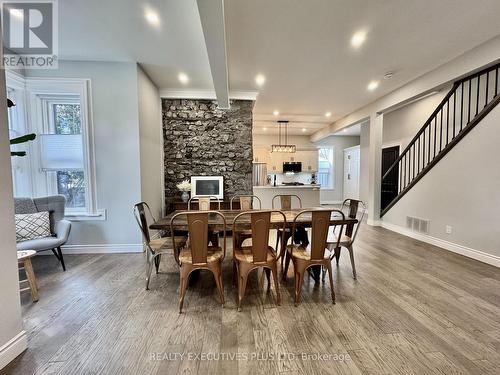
(268, 276)
(330, 275)
(276, 282)
(299, 279)
(337, 255)
(351, 254)
(30, 275)
(218, 281)
(61, 258)
(149, 269)
(184, 282)
(287, 263)
(235, 274)
(242, 283)
(157, 263)
(277, 244)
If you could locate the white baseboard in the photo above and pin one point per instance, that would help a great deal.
(450, 246)
(12, 348)
(101, 249)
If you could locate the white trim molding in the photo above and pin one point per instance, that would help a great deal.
(101, 249)
(12, 348)
(205, 94)
(446, 245)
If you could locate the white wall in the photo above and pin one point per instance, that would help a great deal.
(12, 337)
(114, 89)
(263, 140)
(364, 165)
(339, 143)
(151, 142)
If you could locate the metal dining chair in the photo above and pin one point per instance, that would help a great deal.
(315, 253)
(205, 204)
(155, 248)
(285, 201)
(257, 255)
(336, 241)
(196, 254)
(246, 204)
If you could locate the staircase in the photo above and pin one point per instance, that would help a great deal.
(469, 100)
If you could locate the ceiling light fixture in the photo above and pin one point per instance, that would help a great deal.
(264, 129)
(282, 145)
(304, 130)
(372, 85)
(260, 80)
(183, 78)
(358, 38)
(276, 113)
(328, 114)
(152, 17)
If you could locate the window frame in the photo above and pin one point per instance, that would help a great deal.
(331, 173)
(39, 94)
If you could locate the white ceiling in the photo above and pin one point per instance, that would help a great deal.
(302, 47)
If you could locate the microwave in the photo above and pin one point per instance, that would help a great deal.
(207, 186)
(292, 167)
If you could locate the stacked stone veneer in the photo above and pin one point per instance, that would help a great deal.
(200, 140)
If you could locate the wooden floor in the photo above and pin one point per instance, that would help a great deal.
(415, 309)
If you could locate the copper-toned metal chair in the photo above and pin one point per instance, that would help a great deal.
(286, 205)
(196, 254)
(246, 204)
(257, 255)
(315, 253)
(154, 247)
(204, 204)
(347, 240)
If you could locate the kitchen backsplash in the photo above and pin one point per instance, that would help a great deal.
(303, 177)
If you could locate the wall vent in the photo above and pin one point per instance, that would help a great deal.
(417, 225)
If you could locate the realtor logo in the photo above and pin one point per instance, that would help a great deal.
(29, 34)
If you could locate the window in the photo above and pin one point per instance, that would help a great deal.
(325, 167)
(60, 160)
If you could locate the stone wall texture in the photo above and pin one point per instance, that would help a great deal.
(201, 140)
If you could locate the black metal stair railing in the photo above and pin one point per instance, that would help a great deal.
(469, 100)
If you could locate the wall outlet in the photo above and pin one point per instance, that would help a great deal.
(449, 229)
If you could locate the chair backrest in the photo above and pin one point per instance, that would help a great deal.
(141, 218)
(197, 223)
(354, 213)
(204, 203)
(54, 204)
(286, 201)
(260, 223)
(246, 202)
(321, 220)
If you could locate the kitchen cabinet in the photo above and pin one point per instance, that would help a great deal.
(275, 160)
(309, 161)
(261, 155)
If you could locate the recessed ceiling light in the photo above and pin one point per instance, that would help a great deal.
(260, 79)
(152, 17)
(276, 113)
(358, 38)
(328, 114)
(264, 129)
(372, 85)
(304, 130)
(345, 130)
(183, 78)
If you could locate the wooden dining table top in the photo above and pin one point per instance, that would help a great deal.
(216, 222)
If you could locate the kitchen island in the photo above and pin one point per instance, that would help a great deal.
(309, 194)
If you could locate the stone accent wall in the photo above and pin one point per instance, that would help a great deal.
(200, 139)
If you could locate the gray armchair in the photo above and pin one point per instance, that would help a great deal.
(59, 227)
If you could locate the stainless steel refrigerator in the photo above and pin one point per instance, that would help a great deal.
(259, 174)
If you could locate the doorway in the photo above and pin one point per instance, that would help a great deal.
(389, 189)
(351, 172)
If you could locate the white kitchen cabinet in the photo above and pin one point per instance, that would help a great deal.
(309, 161)
(275, 164)
(261, 155)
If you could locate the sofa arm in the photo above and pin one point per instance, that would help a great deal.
(63, 227)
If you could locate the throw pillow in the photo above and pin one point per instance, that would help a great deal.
(32, 226)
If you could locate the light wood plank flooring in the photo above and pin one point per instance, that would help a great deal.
(415, 309)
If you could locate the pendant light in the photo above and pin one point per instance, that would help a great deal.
(283, 145)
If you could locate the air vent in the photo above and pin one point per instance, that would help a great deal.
(417, 225)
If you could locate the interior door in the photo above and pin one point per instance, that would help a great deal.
(351, 173)
(390, 184)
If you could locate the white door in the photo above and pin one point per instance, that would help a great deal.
(351, 172)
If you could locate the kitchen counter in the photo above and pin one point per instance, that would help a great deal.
(309, 194)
